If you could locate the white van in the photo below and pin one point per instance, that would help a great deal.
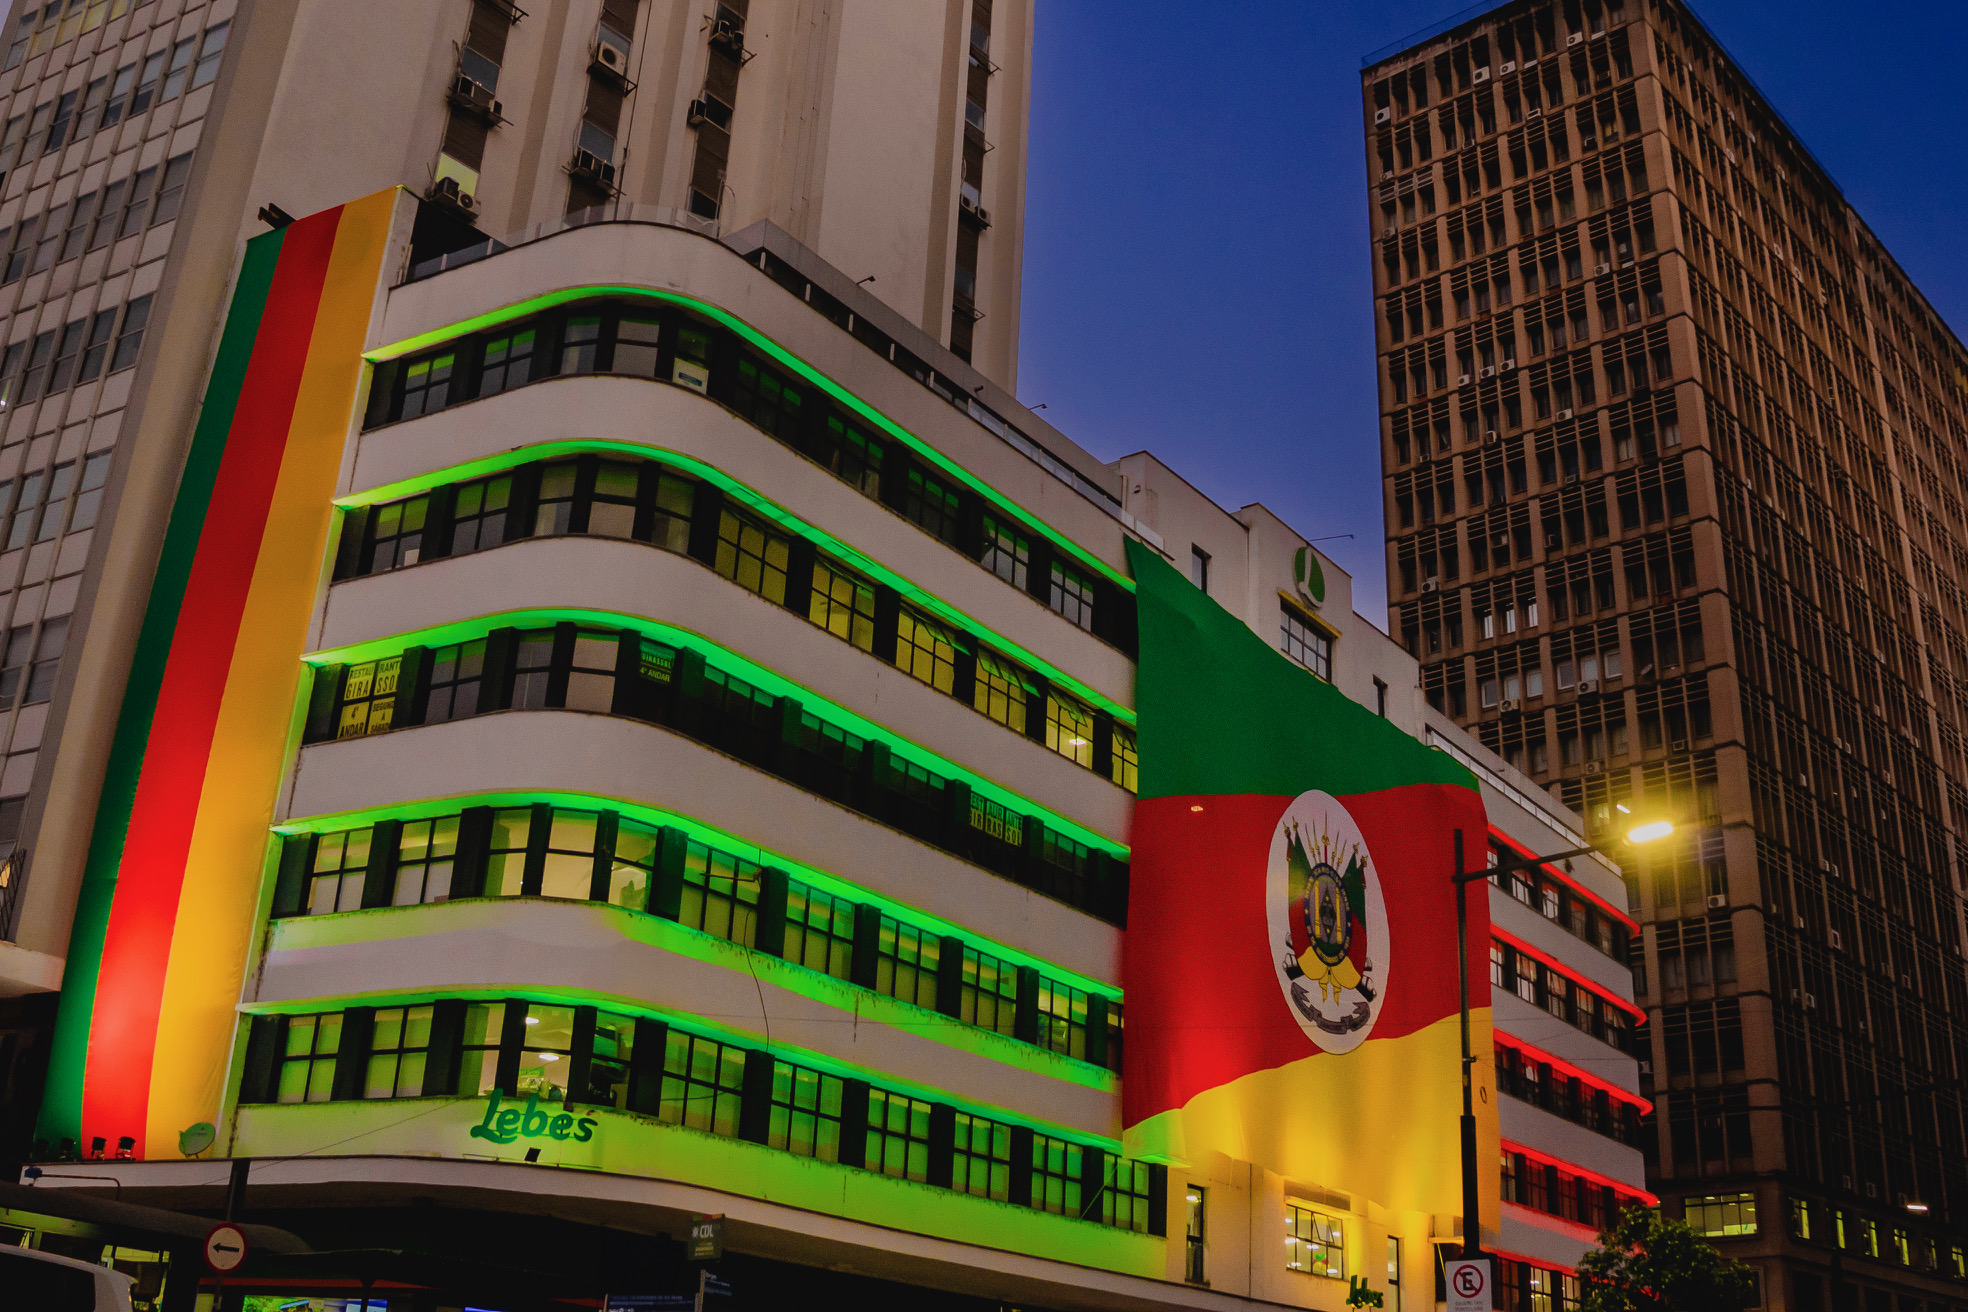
(42, 1282)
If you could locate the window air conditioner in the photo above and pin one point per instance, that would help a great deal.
(1480, 76)
(1810, 1002)
(1574, 38)
(1845, 1183)
(1836, 939)
(1603, 269)
(1678, 745)
(1387, 231)
(1588, 687)
(1507, 66)
(1872, 1190)
(728, 34)
(1487, 371)
(1717, 900)
(445, 192)
(1509, 706)
(1564, 414)
(1492, 438)
(1594, 767)
(1508, 365)
(695, 114)
(1571, 479)
(1906, 981)
(1462, 380)
(1500, 541)
(1533, 112)
(1647, 1068)
(1552, 542)
(474, 92)
(1671, 672)
(1431, 585)
(1382, 115)
(611, 58)
(590, 165)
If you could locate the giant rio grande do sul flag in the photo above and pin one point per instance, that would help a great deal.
(1290, 956)
(165, 919)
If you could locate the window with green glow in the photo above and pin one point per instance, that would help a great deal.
(1062, 1018)
(397, 534)
(819, 930)
(1069, 729)
(484, 1029)
(898, 1135)
(932, 504)
(545, 1061)
(399, 1048)
(753, 556)
(806, 1112)
(842, 604)
(1718, 1215)
(1000, 691)
(307, 1067)
(508, 361)
(769, 398)
(925, 651)
(569, 868)
(425, 854)
(368, 701)
(455, 680)
(1127, 1193)
(634, 864)
(1007, 553)
(857, 458)
(479, 521)
(1072, 596)
(703, 1081)
(1314, 1242)
(505, 866)
(340, 859)
(1056, 1175)
(720, 894)
(989, 997)
(982, 1162)
(906, 962)
(1124, 766)
(608, 1064)
(427, 384)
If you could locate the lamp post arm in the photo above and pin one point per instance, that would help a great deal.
(1527, 862)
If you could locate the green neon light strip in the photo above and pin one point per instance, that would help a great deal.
(711, 835)
(731, 663)
(785, 358)
(936, 606)
(693, 1023)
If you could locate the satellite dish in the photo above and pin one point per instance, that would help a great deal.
(197, 1139)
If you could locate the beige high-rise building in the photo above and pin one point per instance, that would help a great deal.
(1674, 455)
(143, 143)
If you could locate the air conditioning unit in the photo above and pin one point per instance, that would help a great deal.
(1553, 542)
(1872, 1190)
(1507, 66)
(1671, 672)
(474, 93)
(1906, 981)
(1571, 479)
(1508, 365)
(1386, 175)
(445, 192)
(1533, 112)
(1564, 414)
(1431, 585)
(1462, 380)
(983, 215)
(1387, 231)
(1594, 767)
(695, 114)
(611, 59)
(1647, 1068)
(1716, 900)
(1588, 687)
(590, 165)
(1845, 1183)
(1509, 706)
(728, 34)
(1500, 541)
(1480, 76)
(1603, 269)
(1382, 115)
(1810, 1002)
(1574, 38)
(1836, 939)
(1492, 438)
(1489, 371)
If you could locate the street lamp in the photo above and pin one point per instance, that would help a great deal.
(1642, 832)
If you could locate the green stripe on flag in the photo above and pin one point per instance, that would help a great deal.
(1223, 712)
(61, 1108)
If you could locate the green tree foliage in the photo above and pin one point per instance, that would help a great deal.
(1648, 1263)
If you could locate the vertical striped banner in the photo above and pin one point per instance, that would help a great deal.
(165, 920)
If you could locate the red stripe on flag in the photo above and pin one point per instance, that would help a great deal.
(137, 941)
(1204, 1003)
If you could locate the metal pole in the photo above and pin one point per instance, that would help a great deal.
(1471, 1201)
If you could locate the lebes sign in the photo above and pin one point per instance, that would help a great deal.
(508, 1124)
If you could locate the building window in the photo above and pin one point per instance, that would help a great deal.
(612, 510)
(806, 1112)
(399, 1045)
(631, 871)
(1006, 553)
(924, 651)
(424, 860)
(1125, 768)
(456, 672)
(1717, 1215)
(508, 362)
(1126, 1194)
(427, 384)
(1199, 563)
(636, 341)
(1194, 1268)
(398, 535)
(568, 871)
(842, 604)
(1393, 1273)
(819, 930)
(989, 997)
(209, 51)
(485, 1024)
(1305, 642)
(1072, 596)
(703, 1081)
(1069, 729)
(898, 1135)
(720, 894)
(906, 962)
(336, 878)
(982, 1162)
(1380, 698)
(608, 1064)
(307, 1068)
(532, 669)
(752, 556)
(578, 344)
(547, 1057)
(130, 341)
(1314, 1242)
(1062, 1018)
(1000, 692)
(931, 504)
(591, 672)
(1056, 1175)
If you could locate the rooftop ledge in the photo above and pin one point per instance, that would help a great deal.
(869, 320)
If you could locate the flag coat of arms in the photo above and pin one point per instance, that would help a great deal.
(1290, 955)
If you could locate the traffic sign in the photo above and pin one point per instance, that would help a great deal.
(225, 1248)
(1469, 1286)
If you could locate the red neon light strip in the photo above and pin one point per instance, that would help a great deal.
(1568, 880)
(137, 941)
(1588, 986)
(1567, 1069)
(1618, 1187)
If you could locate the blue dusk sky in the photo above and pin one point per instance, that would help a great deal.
(1196, 273)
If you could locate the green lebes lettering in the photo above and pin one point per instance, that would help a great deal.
(507, 1124)
(1358, 1295)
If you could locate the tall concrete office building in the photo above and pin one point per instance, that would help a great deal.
(1674, 457)
(144, 142)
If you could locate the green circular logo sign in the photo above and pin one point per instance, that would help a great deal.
(1307, 574)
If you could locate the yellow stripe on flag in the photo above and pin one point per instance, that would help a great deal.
(216, 928)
